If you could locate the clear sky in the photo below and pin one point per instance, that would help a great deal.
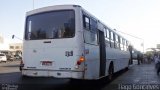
(140, 18)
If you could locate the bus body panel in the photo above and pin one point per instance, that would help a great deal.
(63, 53)
(120, 58)
(92, 62)
(38, 51)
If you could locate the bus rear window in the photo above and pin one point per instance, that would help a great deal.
(50, 25)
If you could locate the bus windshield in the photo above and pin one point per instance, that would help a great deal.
(50, 25)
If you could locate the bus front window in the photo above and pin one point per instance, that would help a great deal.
(50, 25)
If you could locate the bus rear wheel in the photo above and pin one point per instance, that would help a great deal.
(110, 76)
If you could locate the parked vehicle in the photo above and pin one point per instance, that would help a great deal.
(10, 57)
(17, 57)
(3, 57)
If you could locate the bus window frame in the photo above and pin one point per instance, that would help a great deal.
(89, 29)
(27, 33)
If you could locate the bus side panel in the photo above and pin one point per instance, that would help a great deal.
(120, 59)
(92, 62)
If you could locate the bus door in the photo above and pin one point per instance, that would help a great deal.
(102, 54)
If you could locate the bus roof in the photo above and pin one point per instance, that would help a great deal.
(51, 8)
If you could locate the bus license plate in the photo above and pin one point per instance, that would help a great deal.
(46, 63)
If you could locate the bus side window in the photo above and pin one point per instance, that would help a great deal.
(127, 46)
(121, 43)
(86, 22)
(105, 32)
(93, 25)
(112, 39)
(90, 32)
(116, 41)
(107, 37)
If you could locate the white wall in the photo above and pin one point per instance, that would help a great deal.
(4, 44)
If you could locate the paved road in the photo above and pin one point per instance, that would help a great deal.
(138, 77)
(10, 78)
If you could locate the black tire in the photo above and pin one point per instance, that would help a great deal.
(126, 69)
(110, 73)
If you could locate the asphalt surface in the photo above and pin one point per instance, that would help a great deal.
(11, 79)
(138, 77)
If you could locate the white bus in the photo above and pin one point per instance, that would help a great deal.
(65, 41)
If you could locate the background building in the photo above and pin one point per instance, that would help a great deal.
(3, 45)
(15, 47)
(16, 50)
(1, 40)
